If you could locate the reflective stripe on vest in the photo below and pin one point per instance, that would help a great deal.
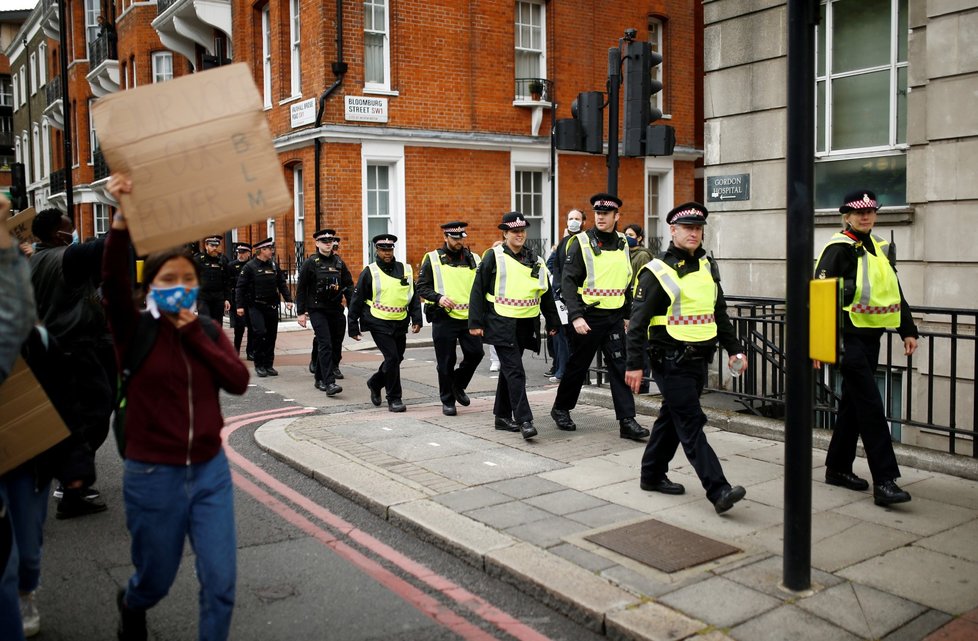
(517, 293)
(453, 281)
(876, 301)
(690, 317)
(608, 274)
(390, 298)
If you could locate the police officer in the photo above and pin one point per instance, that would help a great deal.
(873, 301)
(259, 286)
(212, 300)
(324, 280)
(383, 303)
(239, 323)
(511, 287)
(595, 287)
(444, 284)
(679, 312)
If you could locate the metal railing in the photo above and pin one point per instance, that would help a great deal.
(52, 90)
(102, 48)
(58, 178)
(534, 89)
(163, 5)
(101, 168)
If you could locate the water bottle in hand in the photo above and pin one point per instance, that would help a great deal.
(737, 367)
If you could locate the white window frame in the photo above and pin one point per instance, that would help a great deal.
(294, 50)
(391, 155)
(158, 59)
(14, 90)
(662, 171)
(25, 152)
(23, 85)
(45, 148)
(36, 150)
(298, 204)
(33, 77)
(100, 219)
(92, 137)
(384, 5)
(519, 46)
(42, 64)
(656, 31)
(17, 155)
(92, 12)
(536, 162)
(266, 55)
(132, 70)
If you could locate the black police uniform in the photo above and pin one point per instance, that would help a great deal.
(239, 323)
(324, 281)
(213, 285)
(259, 286)
(680, 371)
(447, 332)
(390, 336)
(607, 334)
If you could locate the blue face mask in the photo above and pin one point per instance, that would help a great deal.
(172, 299)
(632, 241)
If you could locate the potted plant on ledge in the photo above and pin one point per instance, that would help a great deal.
(535, 88)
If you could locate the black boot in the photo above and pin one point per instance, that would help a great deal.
(132, 623)
(563, 420)
(632, 430)
(888, 493)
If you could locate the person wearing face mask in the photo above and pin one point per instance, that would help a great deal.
(557, 343)
(638, 253)
(177, 481)
(678, 315)
(65, 275)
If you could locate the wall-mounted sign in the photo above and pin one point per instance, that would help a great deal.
(303, 113)
(366, 109)
(733, 187)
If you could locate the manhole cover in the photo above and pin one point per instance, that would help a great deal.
(662, 546)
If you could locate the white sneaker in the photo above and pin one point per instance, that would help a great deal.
(29, 615)
(554, 379)
(494, 367)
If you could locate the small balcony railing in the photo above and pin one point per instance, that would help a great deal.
(102, 48)
(58, 181)
(534, 89)
(163, 5)
(101, 168)
(52, 90)
(6, 139)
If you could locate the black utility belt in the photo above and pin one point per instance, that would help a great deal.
(684, 353)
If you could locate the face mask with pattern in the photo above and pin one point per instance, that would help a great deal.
(172, 299)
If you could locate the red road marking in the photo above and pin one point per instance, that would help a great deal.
(425, 604)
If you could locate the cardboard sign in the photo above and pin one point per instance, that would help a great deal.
(199, 153)
(29, 424)
(19, 226)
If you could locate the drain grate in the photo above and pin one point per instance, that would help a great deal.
(662, 546)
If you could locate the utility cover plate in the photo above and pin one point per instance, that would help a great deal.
(662, 546)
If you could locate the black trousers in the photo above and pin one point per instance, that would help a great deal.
(681, 420)
(264, 328)
(607, 334)
(241, 324)
(90, 376)
(212, 306)
(329, 328)
(388, 376)
(861, 413)
(446, 334)
(511, 401)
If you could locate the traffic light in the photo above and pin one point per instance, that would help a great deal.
(641, 137)
(585, 131)
(18, 187)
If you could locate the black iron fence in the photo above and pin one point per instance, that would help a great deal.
(52, 90)
(58, 179)
(534, 89)
(101, 168)
(102, 48)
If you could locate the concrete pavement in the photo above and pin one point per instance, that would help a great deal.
(525, 511)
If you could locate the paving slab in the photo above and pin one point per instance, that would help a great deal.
(789, 622)
(506, 515)
(923, 517)
(948, 489)
(765, 576)
(494, 464)
(525, 487)
(565, 502)
(590, 473)
(862, 610)
(548, 532)
(471, 498)
(720, 601)
(606, 514)
(960, 541)
(651, 621)
(581, 557)
(919, 628)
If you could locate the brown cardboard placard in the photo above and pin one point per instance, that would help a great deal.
(29, 423)
(19, 225)
(199, 153)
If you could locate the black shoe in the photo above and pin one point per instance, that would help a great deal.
(132, 623)
(312, 366)
(271, 371)
(87, 492)
(261, 372)
(728, 497)
(249, 356)
(527, 430)
(506, 424)
(846, 480)
(448, 410)
(461, 396)
(632, 430)
(396, 406)
(886, 493)
(74, 503)
(338, 374)
(333, 389)
(563, 420)
(321, 386)
(374, 395)
(549, 372)
(663, 485)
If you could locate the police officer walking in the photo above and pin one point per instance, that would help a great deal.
(595, 287)
(444, 284)
(212, 300)
(324, 280)
(239, 323)
(873, 301)
(383, 303)
(679, 313)
(259, 286)
(511, 287)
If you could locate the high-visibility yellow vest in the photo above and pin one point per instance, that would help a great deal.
(390, 298)
(454, 281)
(876, 302)
(608, 275)
(517, 292)
(691, 314)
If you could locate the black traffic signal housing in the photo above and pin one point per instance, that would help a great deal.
(641, 136)
(18, 186)
(585, 131)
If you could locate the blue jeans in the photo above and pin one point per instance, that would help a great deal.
(28, 507)
(166, 504)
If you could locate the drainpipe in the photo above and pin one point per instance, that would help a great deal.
(339, 70)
